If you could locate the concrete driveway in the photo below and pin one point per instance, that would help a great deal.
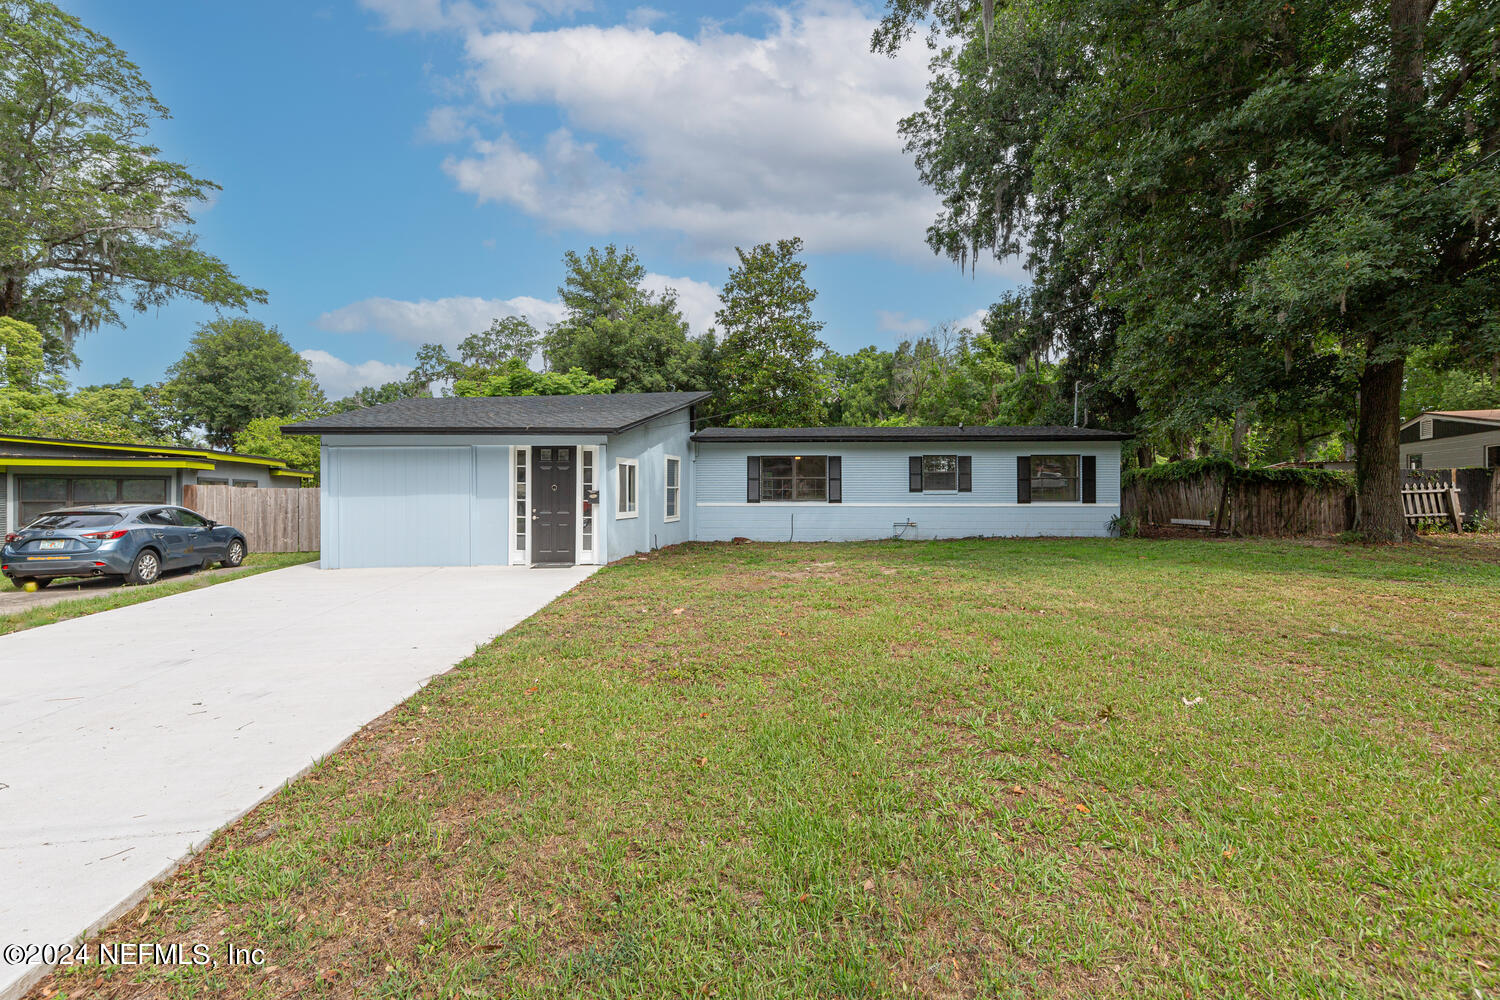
(14, 600)
(128, 737)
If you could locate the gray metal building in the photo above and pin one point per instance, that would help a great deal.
(1451, 439)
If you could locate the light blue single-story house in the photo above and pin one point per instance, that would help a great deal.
(561, 480)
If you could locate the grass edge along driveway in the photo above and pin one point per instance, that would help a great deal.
(124, 596)
(951, 769)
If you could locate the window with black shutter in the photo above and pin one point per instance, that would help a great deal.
(1090, 492)
(789, 477)
(1023, 479)
(752, 479)
(835, 479)
(939, 474)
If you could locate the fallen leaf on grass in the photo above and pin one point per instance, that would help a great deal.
(1081, 807)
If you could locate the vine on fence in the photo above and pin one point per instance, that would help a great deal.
(1171, 472)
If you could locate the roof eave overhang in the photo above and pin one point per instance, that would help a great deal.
(898, 439)
(1480, 423)
(620, 429)
(326, 431)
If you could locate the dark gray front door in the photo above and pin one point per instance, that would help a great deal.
(553, 483)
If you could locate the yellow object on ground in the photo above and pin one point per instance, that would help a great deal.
(30, 587)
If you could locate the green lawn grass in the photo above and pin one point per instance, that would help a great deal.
(122, 596)
(950, 769)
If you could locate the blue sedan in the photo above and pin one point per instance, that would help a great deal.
(135, 541)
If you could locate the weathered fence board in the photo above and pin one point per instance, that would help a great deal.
(1281, 509)
(1478, 488)
(1432, 503)
(273, 520)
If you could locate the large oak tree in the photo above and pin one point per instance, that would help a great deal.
(92, 217)
(1281, 200)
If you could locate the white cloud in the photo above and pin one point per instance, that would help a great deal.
(973, 322)
(899, 322)
(643, 16)
(435, 321)
(446, 124)
(697, 300)
(339, 378)
(449, 320)
(729, 139)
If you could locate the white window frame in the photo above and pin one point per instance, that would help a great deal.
(667, 489)
(588, 458)
(1077, 478)
(621, 494)
(794, 479)
(934, 490)
(520, 551)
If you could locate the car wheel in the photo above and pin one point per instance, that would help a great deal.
(235, 554)
(146, 568)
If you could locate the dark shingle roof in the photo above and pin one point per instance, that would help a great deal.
(608, 414)
(847, 434)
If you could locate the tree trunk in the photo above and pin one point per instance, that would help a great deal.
(1378, 446)
(1378, 451)
(1237, 436)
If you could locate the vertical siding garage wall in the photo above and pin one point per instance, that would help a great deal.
(398, 507)
(875, 494)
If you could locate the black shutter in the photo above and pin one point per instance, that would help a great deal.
(1089, 492)
(1023, 479)
(965, 474)
(752, 479)
(914, 474)
(835, 479)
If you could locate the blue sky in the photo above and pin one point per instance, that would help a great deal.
(399, 171)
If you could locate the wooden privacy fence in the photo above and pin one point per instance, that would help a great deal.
(273, 520)
(1215, 496)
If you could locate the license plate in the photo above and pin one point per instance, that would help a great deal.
(57, 544)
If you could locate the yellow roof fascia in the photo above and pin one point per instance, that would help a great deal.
(102, 463)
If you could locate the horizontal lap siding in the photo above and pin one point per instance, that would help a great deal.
(1460, 452)
(876, 495)
(649, 445)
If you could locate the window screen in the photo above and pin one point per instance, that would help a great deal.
(674, 487)
(1054, 477)
(627, 488)
(940, 473)
(794, 477)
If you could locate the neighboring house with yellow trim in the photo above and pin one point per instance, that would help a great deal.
(40, 474)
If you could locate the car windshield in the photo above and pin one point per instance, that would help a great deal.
(74, 519)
